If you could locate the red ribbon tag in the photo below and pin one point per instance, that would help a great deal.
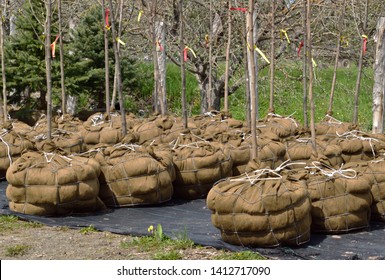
(185, 54)
(364, 45)
(107, 13)
(244, 10)
(300, 47)
(53, 46)
(159, 46)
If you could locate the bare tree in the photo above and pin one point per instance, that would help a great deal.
(252, 77)
(379, 79)
(106, 58)
(48, 4)
(118, 71)
(3, 106)
(360, 62)
(339, 34)
(272, 56)
(182, 67)
(119, 34)
(61, 49)
(228, 48)
(310, 67)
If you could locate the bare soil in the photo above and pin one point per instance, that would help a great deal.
(60, 243)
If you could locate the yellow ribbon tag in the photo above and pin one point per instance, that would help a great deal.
(284, 32)
(314, 63)
(344, 41)
(191, 50)
(120, 41)
(140, 15)
(262, 54)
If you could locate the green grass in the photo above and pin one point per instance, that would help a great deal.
(243, 255)
(288, 98)
(88, 230)
(11, 222)
(16, 250)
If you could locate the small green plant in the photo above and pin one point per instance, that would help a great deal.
(16, 250)
(157, 233)
(243, 255)
(11, 222)
(171, 255)
(88, 229)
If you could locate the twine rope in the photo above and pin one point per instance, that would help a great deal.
(330, 171)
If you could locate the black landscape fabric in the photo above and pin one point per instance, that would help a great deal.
(191, 219)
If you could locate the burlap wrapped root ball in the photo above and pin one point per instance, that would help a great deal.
(262, 209)
(152, 130)
(358, 146)
(281, 126)
(375, 170)
(300, 152)
(341, 198)
(12, 145)
(47, 184)
(68, 123)
(330, 126)
(66, 141)
(99, 130)
(136, 175)
(198, 166)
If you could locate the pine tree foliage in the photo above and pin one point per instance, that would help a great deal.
(25, 52)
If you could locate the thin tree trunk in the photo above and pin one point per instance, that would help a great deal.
(210, 90)
(310, 66)
(118, 74)
(272, 57)
(250, 50)
(162, 71)
(182, 66)
(3, 106)
(256, 70)
(340, 23)
(247, 77)
(106, 62)
(155, 96)
(304, 67)
(62, 80)
(228, 47)
(379, 79)
(360, 62)
(113, 99)
(48, 67)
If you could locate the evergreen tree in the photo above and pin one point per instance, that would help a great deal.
(25, 53)
(85, 68)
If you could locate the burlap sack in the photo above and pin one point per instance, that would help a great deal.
(341, 199)
(375, 172)
(300, 152)
(69, 123)
(198, 166)
(331, 126)
(262, 209)
(281, 126)
(271, 151)
(358, 146)
(12, 145)
(98, 130)
(65, 141)
(40, 126)
(136, 176)
(151, 130)
(51, 184)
